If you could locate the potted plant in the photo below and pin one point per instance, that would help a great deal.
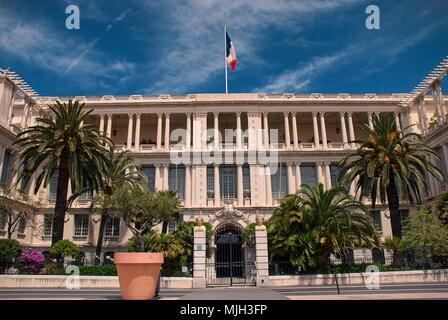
(141, 210)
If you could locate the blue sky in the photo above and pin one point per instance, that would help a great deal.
(176, 46)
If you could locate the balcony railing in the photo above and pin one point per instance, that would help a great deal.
(147, 147)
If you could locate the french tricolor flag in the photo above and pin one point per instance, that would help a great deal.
(230, 53)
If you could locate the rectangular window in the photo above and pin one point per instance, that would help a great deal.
(172, 225)
(210, 182)
(112, 227)
(441, 164)
(150, 173)
(246, 181)
(279, 181)
(177, 180)
(53, 186)
(22, 225)
(86, 196)
(6, 170)
(228, 182)
(81, 225)
(334, 172)
(308, 174)
(48, 225)
(404, 214)
(376, 216)
(2, 221)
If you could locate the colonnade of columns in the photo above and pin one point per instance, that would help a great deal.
(440, 109)
(318, 120)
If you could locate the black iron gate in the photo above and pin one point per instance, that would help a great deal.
(231, 265)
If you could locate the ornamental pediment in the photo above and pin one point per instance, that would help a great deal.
(228, 212)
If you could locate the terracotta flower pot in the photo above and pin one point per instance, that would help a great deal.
(138, 273)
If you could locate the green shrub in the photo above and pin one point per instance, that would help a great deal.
(63, 249)
(100, 270)
(9, 250)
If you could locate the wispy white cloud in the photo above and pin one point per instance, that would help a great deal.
(38, 44)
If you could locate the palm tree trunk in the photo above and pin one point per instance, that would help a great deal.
(394, 205)
(99, 243)
(61, 201)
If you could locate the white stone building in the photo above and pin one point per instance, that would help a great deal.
(313, 130)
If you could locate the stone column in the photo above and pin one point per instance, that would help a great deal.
(319, 173)
(287, 136)
(418, 106)
(158, 183)
(268, 186)
(295, 136)
(397, 120)
(266, 130)
(238, 131)
(369, 119)
(26, 111)
(216, 187)
(199, 251)
(298, 176)
(351, 130)
(316, 130)
(130, 125)
(188, 132)
(261, 253)
(167, 131)
(343, 129)
(239, 185)
(324, 130)
(327, 175)
(101, 128)
(291, 182)
(137, 131)
(109, 125)
(188, 186)
(216, 130)
(437, 95)
(159, 131)
(165, 177)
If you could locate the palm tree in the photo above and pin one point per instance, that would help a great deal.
(63, 141)
(119, 172)
(391, 162)
(314, 223)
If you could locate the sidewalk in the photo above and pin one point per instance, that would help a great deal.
(234, 293)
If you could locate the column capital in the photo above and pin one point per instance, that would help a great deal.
(293, 114)
(109, 115)
(131, 114)
(167, 115)
(188, 114)
(238, 113)
(159, 114)
(298, 163)
(322, 113)
(342, 113)
(138, 115)
(327, 163)
(314, 113)
(286, 113)
(216, 113)
(349, 113)
(265, 113)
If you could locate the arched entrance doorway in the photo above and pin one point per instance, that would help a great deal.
(231, 263)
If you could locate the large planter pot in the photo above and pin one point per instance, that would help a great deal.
(138, 273)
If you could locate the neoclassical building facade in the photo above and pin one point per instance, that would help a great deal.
(230, 157)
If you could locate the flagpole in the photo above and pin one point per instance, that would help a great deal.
(225, 55)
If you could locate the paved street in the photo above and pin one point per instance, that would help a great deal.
(387, 291)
